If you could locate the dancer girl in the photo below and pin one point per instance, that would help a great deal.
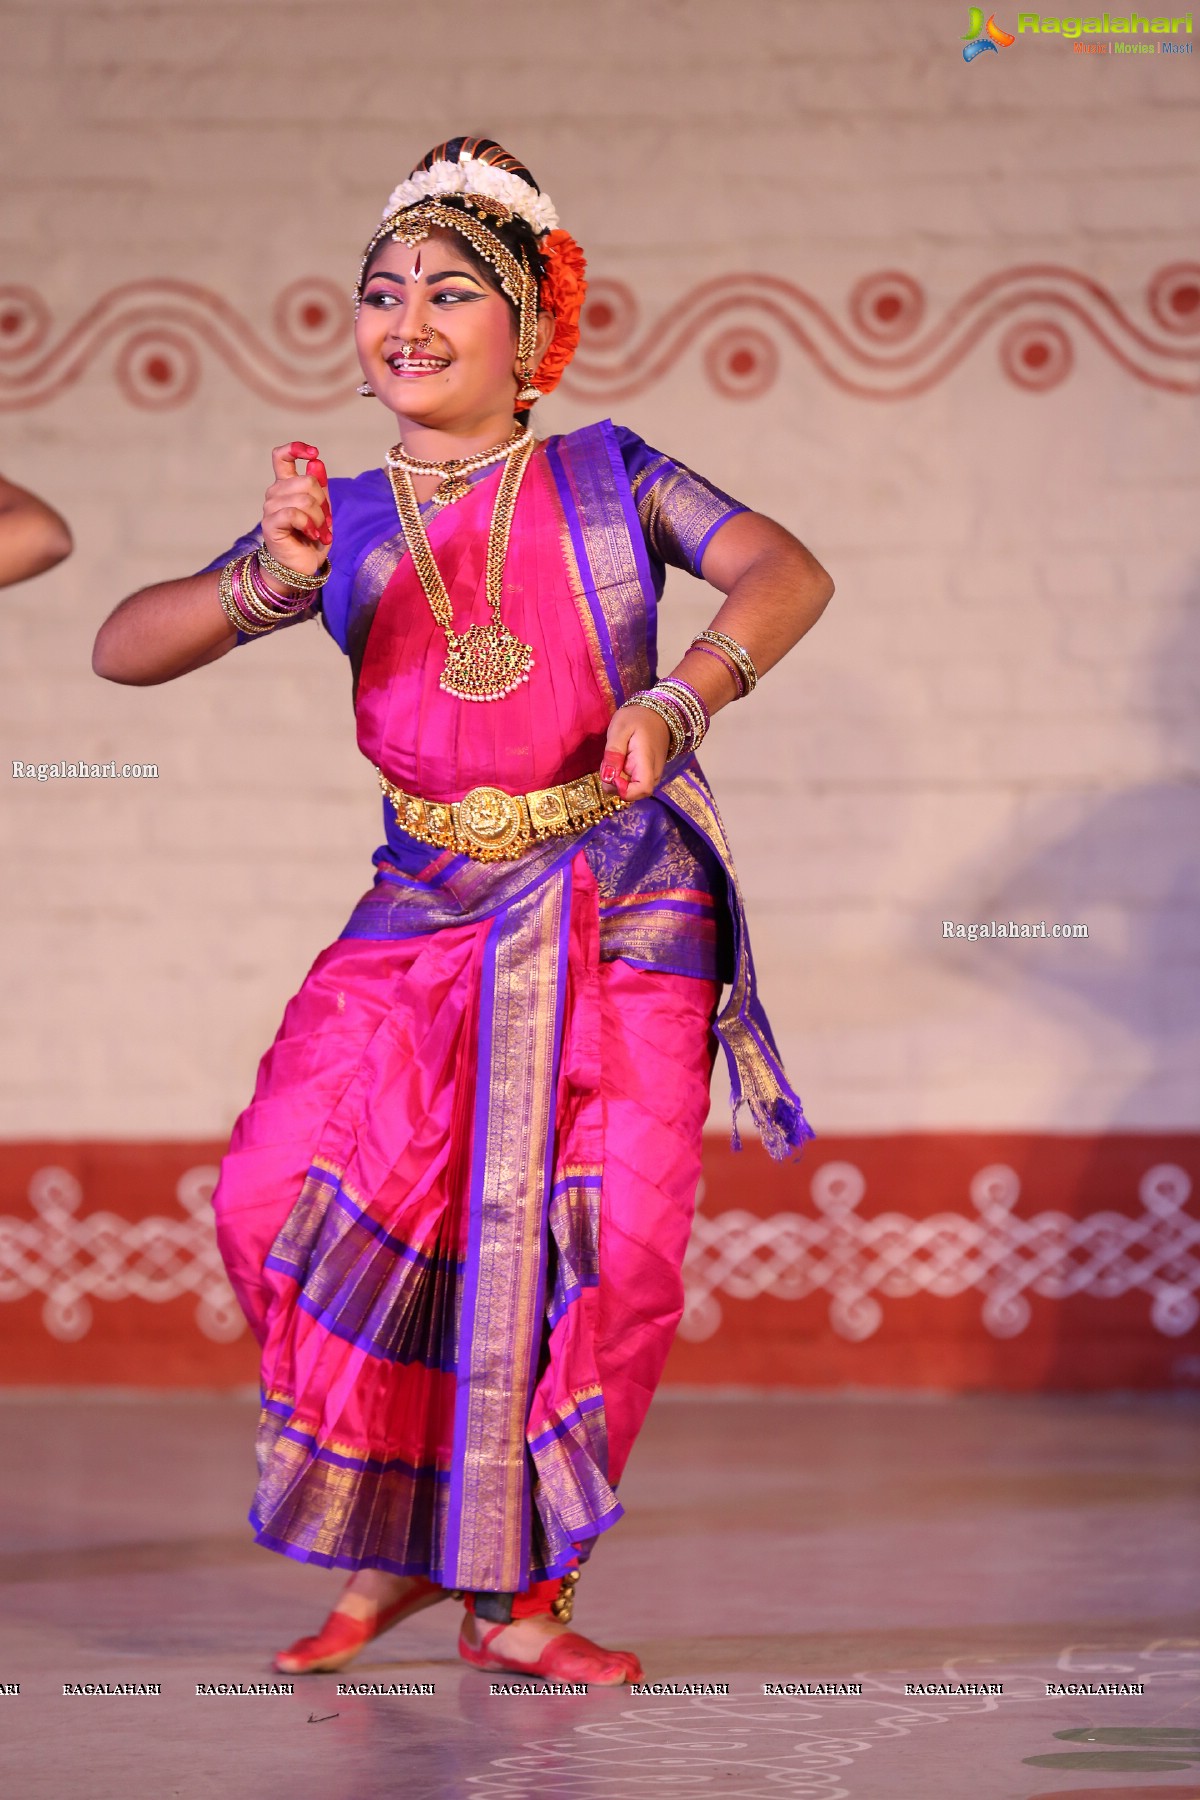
(456, 1208)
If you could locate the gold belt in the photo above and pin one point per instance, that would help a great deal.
(490, 825)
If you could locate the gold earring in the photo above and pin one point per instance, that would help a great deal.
(366, 390)
(527, 391)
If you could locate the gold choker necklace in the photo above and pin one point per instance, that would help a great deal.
(455, 468)
(485, 662)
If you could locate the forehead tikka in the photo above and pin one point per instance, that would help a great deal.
(413, 225)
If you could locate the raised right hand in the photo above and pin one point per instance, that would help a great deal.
(296, 520)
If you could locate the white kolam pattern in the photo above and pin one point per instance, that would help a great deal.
(995, 1253)
(72, 1257)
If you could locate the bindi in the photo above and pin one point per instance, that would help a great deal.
(416, 268)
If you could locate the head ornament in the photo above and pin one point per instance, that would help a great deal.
(462, 188)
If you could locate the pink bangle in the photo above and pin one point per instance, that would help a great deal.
(727, 664)
(677, 681)
(284, 604)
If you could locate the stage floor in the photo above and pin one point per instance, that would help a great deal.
(788, 1541)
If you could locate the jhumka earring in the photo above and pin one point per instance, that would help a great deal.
(527, 391)
(366, 390)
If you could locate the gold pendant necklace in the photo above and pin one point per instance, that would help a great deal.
(484, 662)
(456, 468)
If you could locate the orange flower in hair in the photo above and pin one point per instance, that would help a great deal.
(561, 292)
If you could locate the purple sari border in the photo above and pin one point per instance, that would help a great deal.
(483, 1056)
(594, 1179)
(566, 490)
(562, 1426)
(566, 1294)
(756, 1074)
(637, 543)
(324, 1560)
(368, 1342)
(695, 909)
(346, 1201)
(375, 1465)
(580, 1548)
(330, 1247)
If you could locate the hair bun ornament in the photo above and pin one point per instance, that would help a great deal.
(561, 292)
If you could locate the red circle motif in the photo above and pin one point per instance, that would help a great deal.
(24, 321)
(887, 307)
(742, 363)
(1036, 354)
(158, 369)
(1173, 297)
(609, 317)
(312, 314)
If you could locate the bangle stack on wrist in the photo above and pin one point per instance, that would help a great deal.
(291, 578)
(734, 655)
(680, 708)
(251, 606)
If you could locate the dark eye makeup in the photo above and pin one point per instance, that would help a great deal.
(379, 296)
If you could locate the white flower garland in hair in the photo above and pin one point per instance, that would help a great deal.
(471, 176)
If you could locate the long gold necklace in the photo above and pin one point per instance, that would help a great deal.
(454, 470)
(486, 661)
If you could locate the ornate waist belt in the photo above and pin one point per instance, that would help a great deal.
(491, 825)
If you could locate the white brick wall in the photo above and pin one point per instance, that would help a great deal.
(996, 715)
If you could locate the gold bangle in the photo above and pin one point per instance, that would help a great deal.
(232, 610)
(737, 654)
(249, 602)
(671, 719)
(698, 722)
(266, 606)
(303, 584)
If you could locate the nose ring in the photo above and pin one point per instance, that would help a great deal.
(423, 342)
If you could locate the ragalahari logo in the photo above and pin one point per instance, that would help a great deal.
(993, 38)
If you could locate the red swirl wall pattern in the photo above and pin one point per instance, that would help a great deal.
(739, 328)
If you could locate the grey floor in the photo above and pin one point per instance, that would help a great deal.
(797, 1539)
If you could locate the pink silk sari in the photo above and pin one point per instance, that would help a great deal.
(456, 1209)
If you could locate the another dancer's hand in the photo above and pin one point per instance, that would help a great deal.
(635, 753)
(297, 521)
